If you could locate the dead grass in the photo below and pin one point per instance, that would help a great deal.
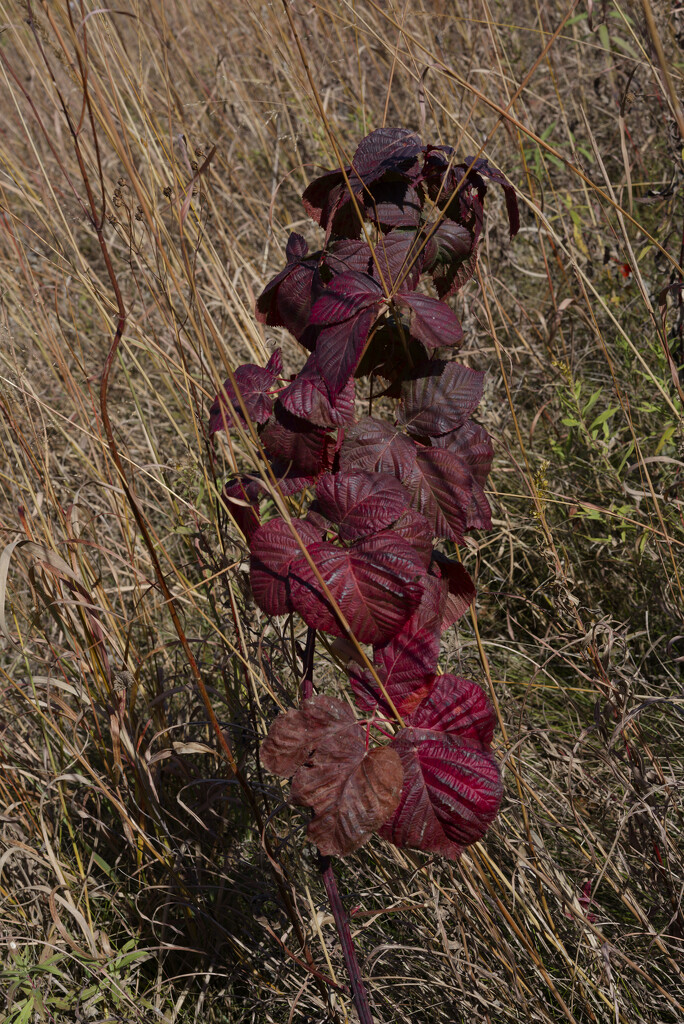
(133, 881)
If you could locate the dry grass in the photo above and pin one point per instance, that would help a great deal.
(133, 882)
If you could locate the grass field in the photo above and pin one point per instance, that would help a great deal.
(152, 160)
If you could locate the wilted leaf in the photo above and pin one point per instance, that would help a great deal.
(351, 790)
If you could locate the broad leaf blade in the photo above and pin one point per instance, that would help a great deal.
(440, 398)
(273, 550)
(451, 793)
(376, 583)
(432, 322)
(361, 503)
(456, 706)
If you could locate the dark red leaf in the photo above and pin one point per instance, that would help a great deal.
(432, 322)
(374, 445)
(408, 660)
(286, 300)
(345, 296)
(339, 348)
(256, 385)
(393, 204)
(440, 398)
(393, 150)
(304, 449)
(377, 582)
(460, 588)
(451, 793)
(393, 252)
(442, 488)
(327, 201)
(457, 706)
(308, 398)
(473, 444)
(297, 248)
(481, 166)
(351, 790)
(361, 503)
(453, 257)
(273, 550)
(243, 506)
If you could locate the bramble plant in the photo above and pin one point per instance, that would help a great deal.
(361, 562)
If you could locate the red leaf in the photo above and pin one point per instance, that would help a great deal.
(374, 445)
(457, 706)
(432, 322)
(308, 398)
(273, 550)
(361, 503)
(442, 489)
(440, 398)
(451, 793)
(351, 790)
(473, 444)
(256, 385)
(416, 529)
(460, 588)
(304, 449)
(376, 583)
(406, 663)
(393, 204)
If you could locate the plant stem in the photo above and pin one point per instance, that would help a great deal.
(325, 867)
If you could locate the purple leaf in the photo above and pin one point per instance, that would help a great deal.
(393, 253)
(256, 385)
(451, 793)
(345, 296)
(273, 550)
(376, 583)
(457, 706)
(339, 348)
(432, 322)
(453, 257)
(440, 398)
(308, 398)
(304, 449)
(361, 503)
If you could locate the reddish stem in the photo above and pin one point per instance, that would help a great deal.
(325, 867)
